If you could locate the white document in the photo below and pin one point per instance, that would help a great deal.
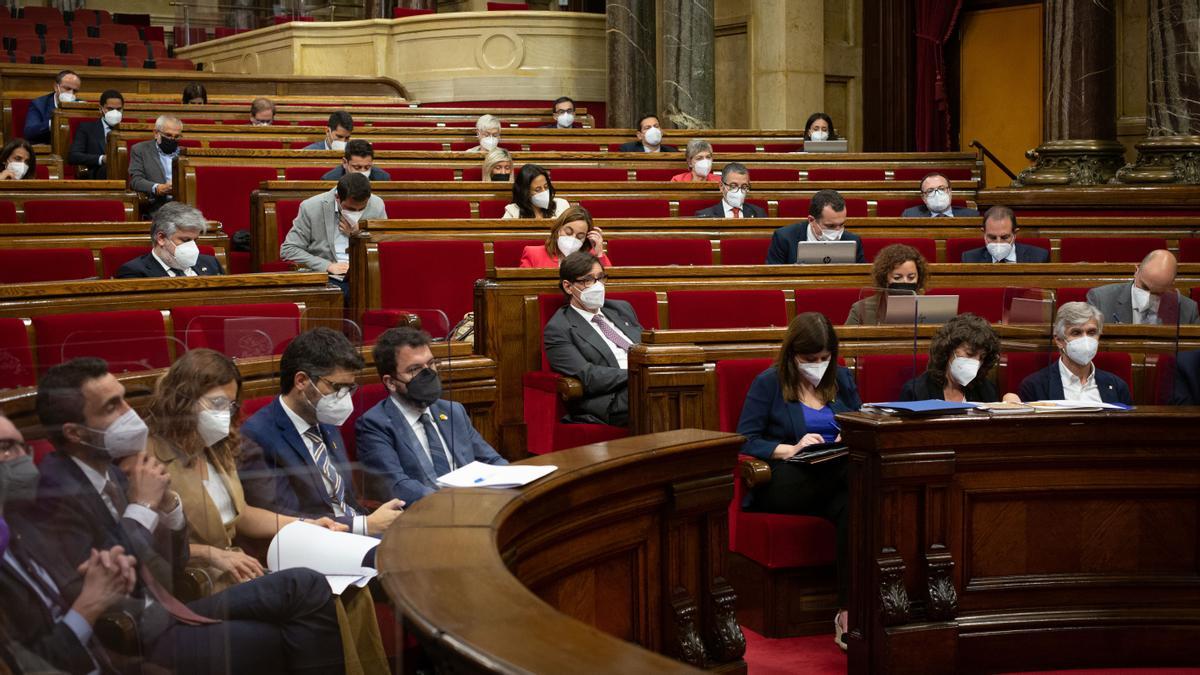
(1046, 406)
(479, 474)
(337, 555)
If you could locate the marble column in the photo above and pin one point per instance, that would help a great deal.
(689, 73)
(1171, 151)
(1080, 118)
(631, 61)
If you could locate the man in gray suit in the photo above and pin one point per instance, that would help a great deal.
(1150, 298)
(589, 339)
(320, 235)
(151, 163)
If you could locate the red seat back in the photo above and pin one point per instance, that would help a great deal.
(428, 146)
(602, 175)
(26, 265)
(507, 252)
(420, 173)
(16, 358)
(563, 146)
(744, 251)
(627, 208)
(286, 211)
(73, 210)
(1065, 295)
(760, 174)
(798, 208)
(237, 331)
(734, 377)
(846, 174)
(654, 252)
(985, 302)
(253, 405)
(693, 310)
(112, 257)
(445, 209)
(406, 269)
(491, 208)
(834, 303)
(305, 173)
(365, 398)
(956, 247)
(92, 47)
(1108, 249)
(734, 147)
(8, 212)
(133, 339)
(652, 175)
(223, 193)
(249, 145)
(927, 247)
(1189, 250)
(881, 376)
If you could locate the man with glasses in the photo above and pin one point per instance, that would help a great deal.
(564, 114)
(151, 163)
(293, 456)
(936, 195)
(413, 436)
(735, 187)
(826, 222)
(589, 339)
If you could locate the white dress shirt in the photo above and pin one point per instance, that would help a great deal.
(413, 417)
(171, 271)
(360, 522)
(145, 516)
(1075, 389)
(621, 355)
(218, 492)
(729, 209)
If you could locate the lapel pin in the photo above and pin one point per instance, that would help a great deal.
(442, 417)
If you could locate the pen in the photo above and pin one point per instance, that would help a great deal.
(479, 480)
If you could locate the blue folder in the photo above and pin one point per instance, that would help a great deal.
(931, 406)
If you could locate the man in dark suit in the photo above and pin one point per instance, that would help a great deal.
(41, 109)
(1000, 239)
(1150, 298)
(589, 339)
(337, 134)
(359, 158)
(413, 436)
(293, 457)
(85, 502)
(173, 251)
(88, 147)
(1073, 376)
(1187, 379)
(735, 186)
(649, 137)
(151, 163)
(936, 195)
(563, 112)
(826, 222)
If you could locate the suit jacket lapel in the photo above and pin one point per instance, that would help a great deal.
(288, 432)
(630, 331)
(329, 213)
(1056, 388)
(589, 335)
(1124, 307)
(406, 441)
(795, 415)
(447, 429)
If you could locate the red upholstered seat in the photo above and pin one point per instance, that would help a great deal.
(798, 208)
(472, 173)
(655, 252)
(429, 146)
(783, 147)
(46, 15)
(734, 147)
(249, 145)
(490, 209)
(73, 210)
(917, 173)
(507, 252)
(253, 405)
(189, 36)
(136, 53)
(305, 173)
(365, 397)
(402, 12)
(658, 174)
(8, 212)
(1065, 295)
(89, 17)
(881, 376)
(745, 251)
(112, 61)
(428, 208)
(223, 193)
(568, 173)
(419, 173)
(16, 358)
(1189, 250)
(133, 339)
(406, 269)
(956, 247)
(927, 247)
(562, 146)
(28, 44)
(764, 174)
(834, 303)
(846, 174)
(112, 257)
(92, 47)
(776, 541)
(58, 59)
(693, 310)
(986, 302)
(892, 208)
(627, 208)
(1108, 249)
(237, 330)
(172, 64)
(120, 33)
(25, 265)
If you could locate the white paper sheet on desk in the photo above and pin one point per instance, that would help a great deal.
(337, 555)
(1079, 405)
(479, 474)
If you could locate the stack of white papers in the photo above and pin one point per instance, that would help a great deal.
(478, 474)
(337, 555)
(1076, 406)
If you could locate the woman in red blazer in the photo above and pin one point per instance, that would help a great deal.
(700, 161)
(572, 231)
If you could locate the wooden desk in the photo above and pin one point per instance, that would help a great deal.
(1028, 542)
(623, 546)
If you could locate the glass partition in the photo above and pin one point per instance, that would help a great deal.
(897, 354)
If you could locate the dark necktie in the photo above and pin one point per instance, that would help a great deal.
(437, 451)
(321, 456)
(611, 333)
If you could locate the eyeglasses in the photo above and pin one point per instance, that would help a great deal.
(564, 110)
(733, 187)
(930, 191)
(11, 447)
(221, 404)
(339, 390)
(589, 281)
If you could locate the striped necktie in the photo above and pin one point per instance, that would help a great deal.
(320, 455)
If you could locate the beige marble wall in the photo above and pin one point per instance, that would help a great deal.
(445, 57)
(1132, 70)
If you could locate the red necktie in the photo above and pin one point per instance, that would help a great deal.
(737, 213)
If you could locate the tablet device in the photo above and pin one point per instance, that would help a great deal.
(901, 309)
(826, 252)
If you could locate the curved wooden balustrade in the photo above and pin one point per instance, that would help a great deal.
(623, 546)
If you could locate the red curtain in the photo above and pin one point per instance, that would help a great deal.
(935, 23)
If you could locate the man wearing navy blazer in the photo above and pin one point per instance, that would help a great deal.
(293, 456)
(409, 439)
(1187, 379)
(1000, 239)
(41, 109)
(1073, 376)
(735, 186)
(826, 222)
(649, 137)
(173, 249)
(936, 195)
(89, 146)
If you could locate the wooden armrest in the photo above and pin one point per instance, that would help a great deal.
(570, 388)
(193, 583)
(753, 471)
(118, 631)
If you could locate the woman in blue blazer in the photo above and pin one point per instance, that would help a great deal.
(791, 406)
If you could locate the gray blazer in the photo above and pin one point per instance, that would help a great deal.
(574, 349)
(145, 171)
(310, 241)
(1116, 304)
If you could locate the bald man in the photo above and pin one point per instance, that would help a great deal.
(1150, 298)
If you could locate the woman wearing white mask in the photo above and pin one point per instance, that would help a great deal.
(1073, 376)
(533, 195)
(819, 128)
(191, 419)
(961, 354)
(573, 231)
(487, 130)
(17, 160)
(700, 164)
(790, 408)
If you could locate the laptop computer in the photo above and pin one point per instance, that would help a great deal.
(826, 252)
(926, 308)
(840, 145)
